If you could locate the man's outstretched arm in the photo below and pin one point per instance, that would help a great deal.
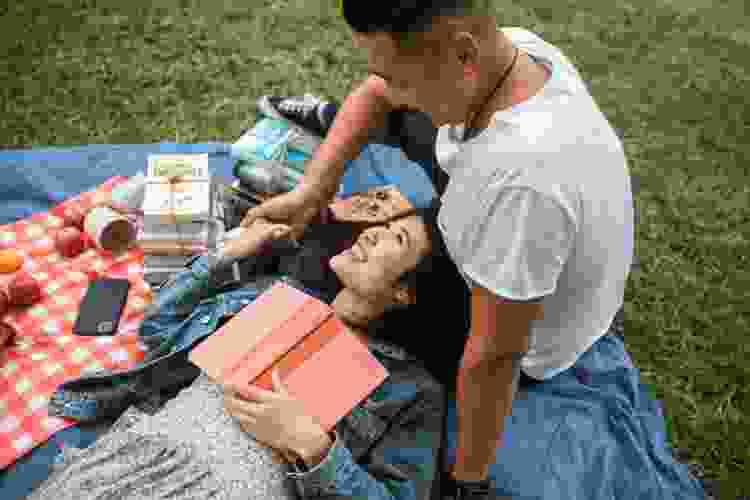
(365, 109)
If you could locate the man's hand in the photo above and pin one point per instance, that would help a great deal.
(253, 237)
(296, 208)
(278, 420)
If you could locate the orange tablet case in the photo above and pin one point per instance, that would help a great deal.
(319, 362)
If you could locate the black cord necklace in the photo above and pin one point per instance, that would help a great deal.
(470, 125)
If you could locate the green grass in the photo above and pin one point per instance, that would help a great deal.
(671, 75)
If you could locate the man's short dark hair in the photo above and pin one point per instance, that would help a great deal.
(404, 18)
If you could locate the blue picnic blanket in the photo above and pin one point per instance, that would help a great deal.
(591, 432)
(34, 180)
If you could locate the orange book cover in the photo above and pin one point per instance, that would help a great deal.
(288, 330)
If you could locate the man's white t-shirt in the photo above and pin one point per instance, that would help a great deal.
(539, 204)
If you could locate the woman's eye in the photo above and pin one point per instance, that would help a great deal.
(400, 238)
(382, 196)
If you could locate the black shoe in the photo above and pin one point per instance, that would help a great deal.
(305, 112)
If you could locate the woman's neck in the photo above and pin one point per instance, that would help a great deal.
(355, 311)
(357, 331)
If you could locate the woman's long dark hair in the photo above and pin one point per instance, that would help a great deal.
(322, 241)
(434, 329)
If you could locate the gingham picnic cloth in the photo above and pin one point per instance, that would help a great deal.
(45, 353)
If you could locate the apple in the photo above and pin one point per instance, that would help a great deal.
(69, 242)
(24, 290)
(73, 216)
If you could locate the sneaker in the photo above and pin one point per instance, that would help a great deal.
(305, 112)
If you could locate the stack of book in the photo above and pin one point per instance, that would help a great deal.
(181, 214)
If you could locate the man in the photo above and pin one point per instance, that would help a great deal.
(537, 214)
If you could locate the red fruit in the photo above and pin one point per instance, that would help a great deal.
(73, 216)
(7, 332)
(4, 302)
(69, 242)
(24, 290)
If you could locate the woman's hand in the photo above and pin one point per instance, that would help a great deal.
(278, 420)
(297, 208)
(253, 237)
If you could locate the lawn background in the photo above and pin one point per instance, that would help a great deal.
(671, 75)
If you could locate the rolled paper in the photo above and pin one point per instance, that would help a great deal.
(110, 230)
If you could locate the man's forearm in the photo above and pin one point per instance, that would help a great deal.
(485, 397)
(365, 109)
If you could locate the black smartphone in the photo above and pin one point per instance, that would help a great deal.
(101, 308)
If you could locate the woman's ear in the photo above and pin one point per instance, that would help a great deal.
(404, 296)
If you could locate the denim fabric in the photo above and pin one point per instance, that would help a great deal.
(387, 447)
(20, 478)
(174, 332)
(591, 432)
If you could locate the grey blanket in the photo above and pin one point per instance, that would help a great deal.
(191, 449)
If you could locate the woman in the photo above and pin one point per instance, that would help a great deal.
(206, 444)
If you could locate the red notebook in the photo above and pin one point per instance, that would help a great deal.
(319, 361)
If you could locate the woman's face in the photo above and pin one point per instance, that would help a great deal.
(381, 254)
(374, 206)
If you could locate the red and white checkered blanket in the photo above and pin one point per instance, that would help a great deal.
(45, 353)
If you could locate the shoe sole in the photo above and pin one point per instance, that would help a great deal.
(268, 109)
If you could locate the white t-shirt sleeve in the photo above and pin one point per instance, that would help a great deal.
(519, 250)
